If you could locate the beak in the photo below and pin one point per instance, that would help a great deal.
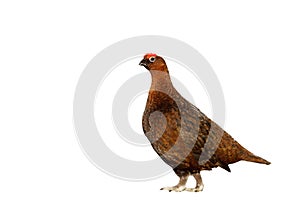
(144, 63)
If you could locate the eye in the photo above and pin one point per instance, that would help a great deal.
(152, 59)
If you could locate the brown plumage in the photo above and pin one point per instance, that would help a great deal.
(185, 138)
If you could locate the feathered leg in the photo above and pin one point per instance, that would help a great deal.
(199, 184)
(180, 186)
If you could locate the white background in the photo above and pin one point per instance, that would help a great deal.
(254, 49)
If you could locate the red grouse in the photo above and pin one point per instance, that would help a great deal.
(184, 137)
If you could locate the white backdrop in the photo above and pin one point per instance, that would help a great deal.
(253, 48)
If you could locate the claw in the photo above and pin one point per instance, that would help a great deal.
(174, 188)
(196, 189)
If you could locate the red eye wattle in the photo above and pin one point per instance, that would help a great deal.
(148, 55)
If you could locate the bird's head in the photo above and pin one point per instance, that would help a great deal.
(154, 62)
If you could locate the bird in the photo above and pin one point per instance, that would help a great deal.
(183, 136)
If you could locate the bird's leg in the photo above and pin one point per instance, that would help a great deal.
(199, 185)
(180, 186)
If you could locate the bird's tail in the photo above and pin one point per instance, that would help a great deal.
(248, 156)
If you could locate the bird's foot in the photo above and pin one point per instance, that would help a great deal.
(196, 189)
(174, 188)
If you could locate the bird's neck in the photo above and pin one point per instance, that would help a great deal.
(161, 81)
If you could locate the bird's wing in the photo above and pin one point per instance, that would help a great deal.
(210, 136)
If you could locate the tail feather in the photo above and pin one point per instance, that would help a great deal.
(253, 158)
